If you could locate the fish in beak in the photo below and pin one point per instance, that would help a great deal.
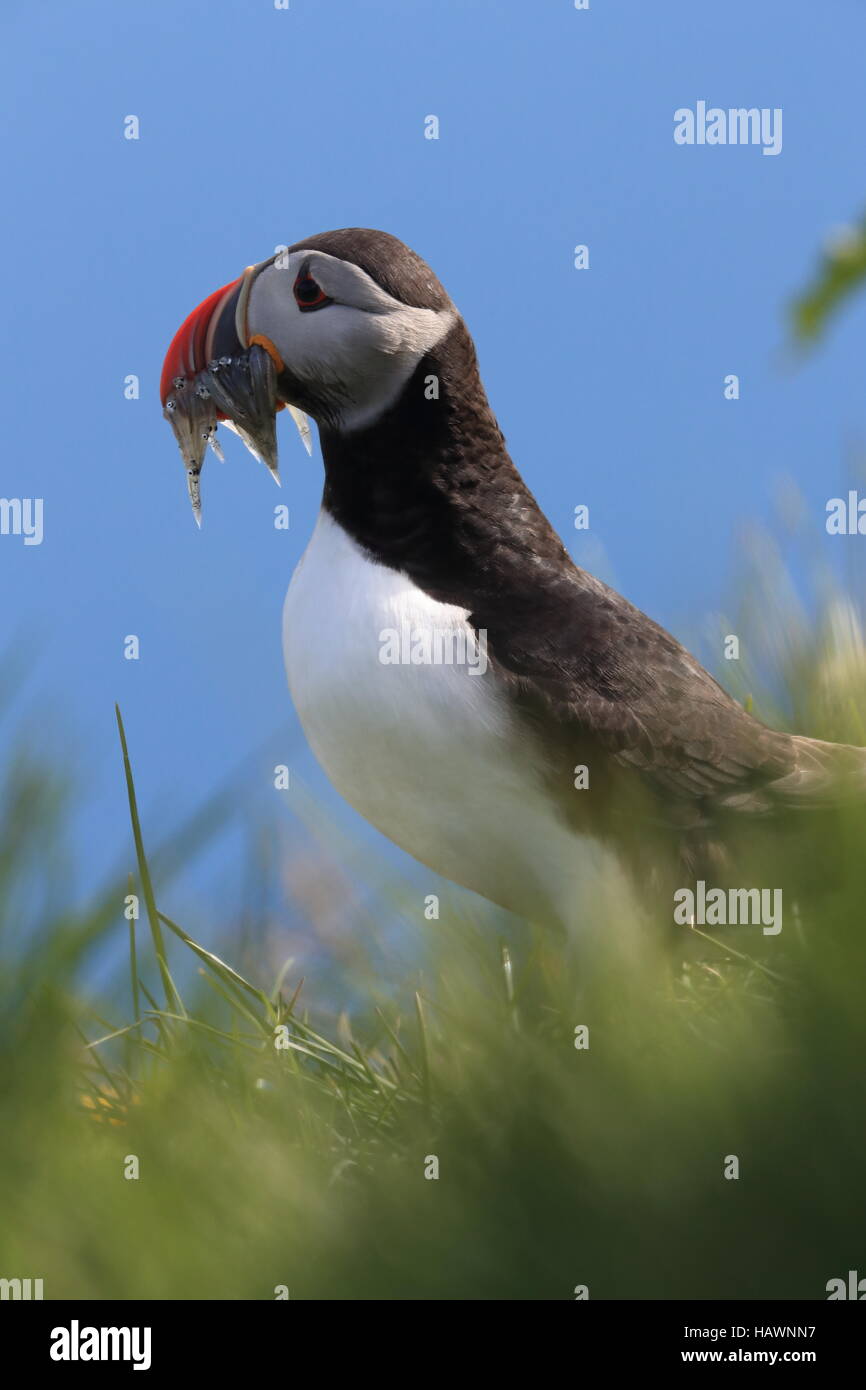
(214, 372)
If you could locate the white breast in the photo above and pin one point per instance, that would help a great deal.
(429, 753)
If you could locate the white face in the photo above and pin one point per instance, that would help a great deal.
(356, 353)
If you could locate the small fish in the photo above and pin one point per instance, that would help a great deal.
(242, 391)
(192, 482)
(303, 425)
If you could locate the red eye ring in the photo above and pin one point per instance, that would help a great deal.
(309, 294)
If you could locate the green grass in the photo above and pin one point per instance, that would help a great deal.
(305, 1165)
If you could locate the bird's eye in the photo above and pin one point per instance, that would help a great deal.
(308, 294)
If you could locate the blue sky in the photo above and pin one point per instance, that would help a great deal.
(260, 126)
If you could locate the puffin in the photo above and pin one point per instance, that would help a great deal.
(487, 704)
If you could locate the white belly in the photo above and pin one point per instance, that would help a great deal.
(428, 753)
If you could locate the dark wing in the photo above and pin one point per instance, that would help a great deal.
(586, 663)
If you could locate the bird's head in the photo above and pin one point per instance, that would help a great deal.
(332, 327)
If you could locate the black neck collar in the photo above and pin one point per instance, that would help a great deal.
(430, 489)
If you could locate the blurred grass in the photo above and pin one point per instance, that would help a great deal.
(304, 1165)
(841, 271)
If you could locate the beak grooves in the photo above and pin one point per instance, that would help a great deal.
(214, 370)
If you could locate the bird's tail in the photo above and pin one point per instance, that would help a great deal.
(822, 775)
